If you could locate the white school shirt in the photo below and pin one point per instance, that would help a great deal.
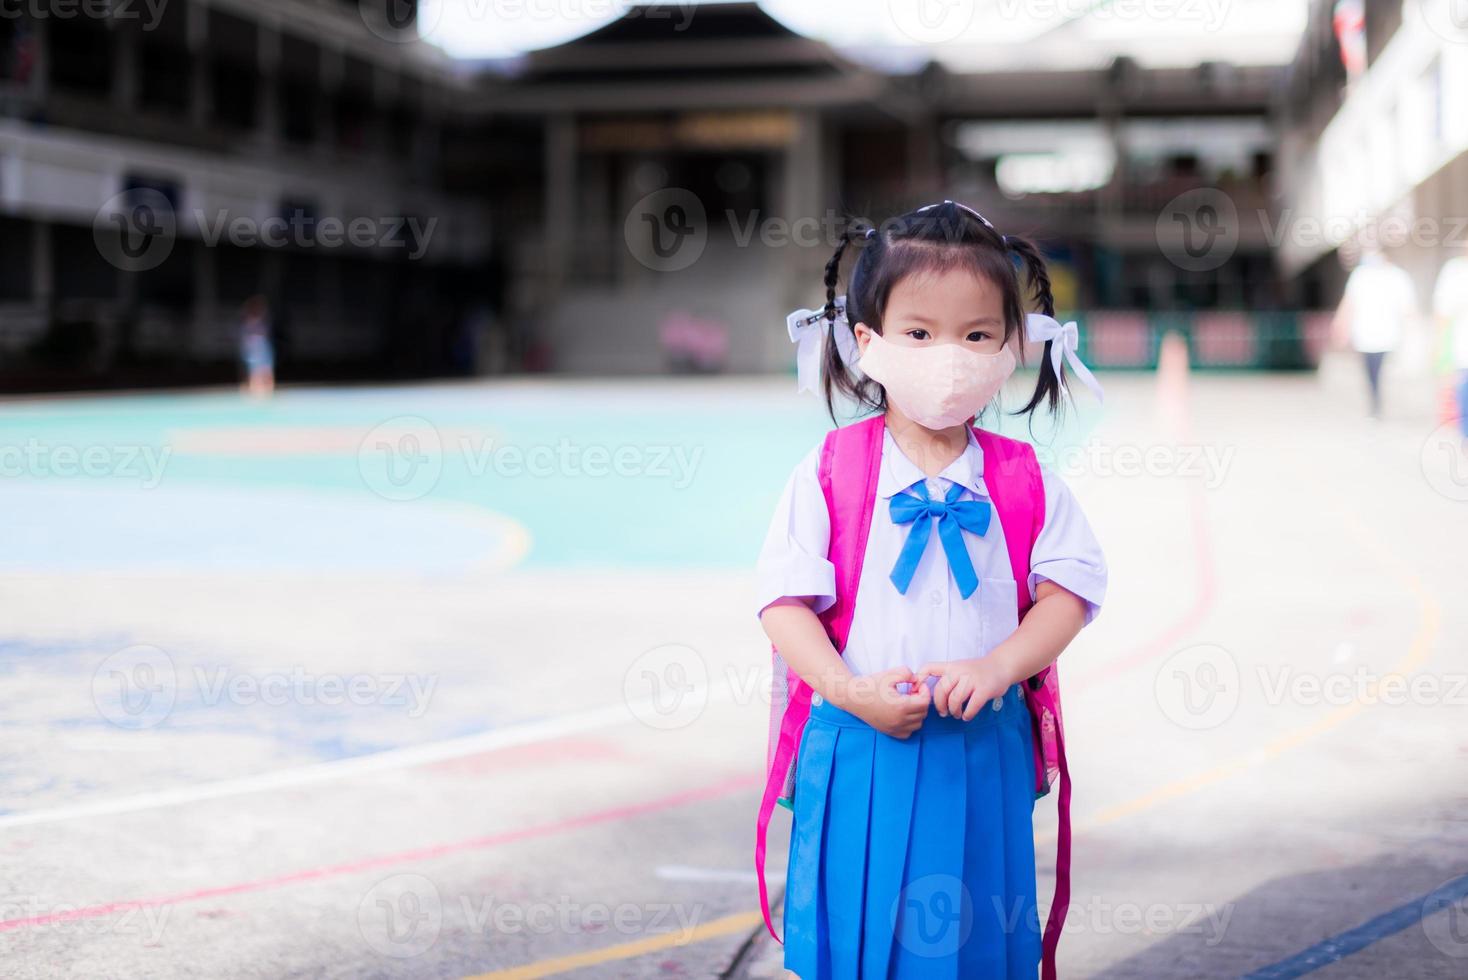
(1382, 300)
(932, 621)
(1450, 300)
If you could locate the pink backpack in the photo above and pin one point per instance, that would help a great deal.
(850, 459)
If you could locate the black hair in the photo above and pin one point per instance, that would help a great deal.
(932, 239)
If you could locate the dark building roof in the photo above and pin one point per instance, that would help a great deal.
(669, 57)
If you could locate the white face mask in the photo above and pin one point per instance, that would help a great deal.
(940, 385)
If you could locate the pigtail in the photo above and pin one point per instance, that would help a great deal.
(837, 380)
(833, 271)
(1048, 387)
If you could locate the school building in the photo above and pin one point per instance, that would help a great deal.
(654, 195)
(1374, 145)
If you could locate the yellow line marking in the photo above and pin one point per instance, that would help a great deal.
(651, 944)
(1429, 623)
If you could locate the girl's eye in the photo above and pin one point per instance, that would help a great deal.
(978, 336)
(918, 333)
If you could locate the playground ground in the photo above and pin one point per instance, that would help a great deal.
(464, 680)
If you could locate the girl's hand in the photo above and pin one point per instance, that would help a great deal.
(965, 686)
(878, 700)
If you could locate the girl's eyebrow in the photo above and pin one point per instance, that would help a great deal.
(976, 321)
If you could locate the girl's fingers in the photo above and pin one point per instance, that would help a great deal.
(975, 704)
(960, 694)
(941, 694)
(922, 697)
(894, 679)
(935, 669)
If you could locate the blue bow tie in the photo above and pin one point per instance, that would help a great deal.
(951, 514)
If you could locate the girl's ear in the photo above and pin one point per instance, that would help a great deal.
(863, 336)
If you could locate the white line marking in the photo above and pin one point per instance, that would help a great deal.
(681, 872)
(502, 738)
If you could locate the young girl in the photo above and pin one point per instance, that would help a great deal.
(912, 849)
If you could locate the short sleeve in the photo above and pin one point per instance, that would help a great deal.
(1442, 292)
(1066, 551)
(1450, 296)
(793, 562)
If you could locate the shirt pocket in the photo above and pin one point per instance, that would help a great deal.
(997, 610)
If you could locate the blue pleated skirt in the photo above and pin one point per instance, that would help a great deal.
(914, 858)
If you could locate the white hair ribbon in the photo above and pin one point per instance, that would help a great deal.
(807, 330)
(1065, 340)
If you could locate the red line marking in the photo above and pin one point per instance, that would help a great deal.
(697, 795)
(1194, 618)
(1173, 401)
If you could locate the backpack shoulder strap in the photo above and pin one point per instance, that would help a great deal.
(1012, 476)
(850, 462)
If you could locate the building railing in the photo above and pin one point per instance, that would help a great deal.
(1269, 340)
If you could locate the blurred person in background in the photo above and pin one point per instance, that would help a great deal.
(257, 355)
(1378, 304)
(1450, 307)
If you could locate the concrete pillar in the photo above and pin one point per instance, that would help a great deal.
(126, 69)
(386, 86)
(329, 305)
(1110, 201)
(43, 276)
(267, 105)
(330, 67)
(924, 175)
(39, 84)
(560, 198)
(801, 184)
(430, 140)
(202, 339)
(201, 102)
